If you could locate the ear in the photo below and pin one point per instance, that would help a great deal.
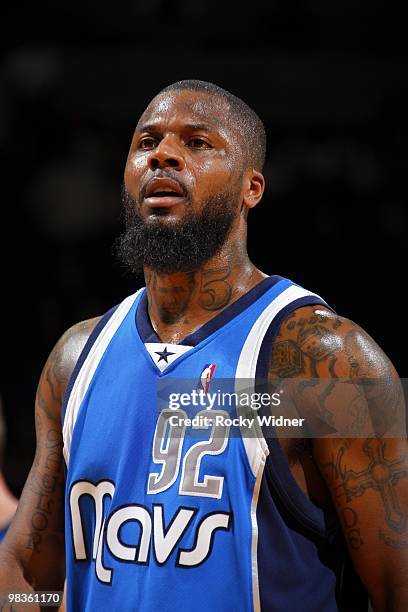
(254, 188)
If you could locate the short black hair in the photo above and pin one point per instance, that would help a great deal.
(250, 126)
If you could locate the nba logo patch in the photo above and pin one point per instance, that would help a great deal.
(206, 377)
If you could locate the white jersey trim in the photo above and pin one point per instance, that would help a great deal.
(256, 447)
(88, 369)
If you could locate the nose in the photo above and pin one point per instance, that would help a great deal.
(166, 155)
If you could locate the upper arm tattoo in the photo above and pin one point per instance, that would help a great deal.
(343, 378)
(355, 388)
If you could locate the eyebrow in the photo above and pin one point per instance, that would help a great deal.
(155, 127)
(199, 126)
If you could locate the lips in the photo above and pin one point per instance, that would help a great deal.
(163, 192)
(164, 188)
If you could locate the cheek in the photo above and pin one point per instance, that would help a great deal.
(210, 177)
(134, 169)
(135, 163)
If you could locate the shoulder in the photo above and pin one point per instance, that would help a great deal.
(316, 340)
(60, 364)
(69, 347)
(338, 374)
(75, 337)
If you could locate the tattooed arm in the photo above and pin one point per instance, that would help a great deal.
(32, 554)
(342, 379)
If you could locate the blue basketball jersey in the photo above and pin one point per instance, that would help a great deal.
(165, 515)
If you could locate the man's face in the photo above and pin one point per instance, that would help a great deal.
(183, 184)
(182, 153)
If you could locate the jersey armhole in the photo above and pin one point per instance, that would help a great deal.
(280, 478)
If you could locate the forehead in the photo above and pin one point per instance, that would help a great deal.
(186, 106)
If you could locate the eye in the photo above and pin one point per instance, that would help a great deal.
(198, 143)
(147, 143)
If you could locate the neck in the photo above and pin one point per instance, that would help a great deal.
(180, 303)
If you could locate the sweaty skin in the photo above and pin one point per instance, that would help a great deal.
(187, 135)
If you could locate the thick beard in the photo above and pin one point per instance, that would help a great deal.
(181, 246)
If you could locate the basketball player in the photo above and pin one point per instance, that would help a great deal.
(157, 519)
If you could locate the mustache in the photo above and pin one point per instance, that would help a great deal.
(163, 174)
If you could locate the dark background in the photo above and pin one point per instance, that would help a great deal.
(330, 81)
